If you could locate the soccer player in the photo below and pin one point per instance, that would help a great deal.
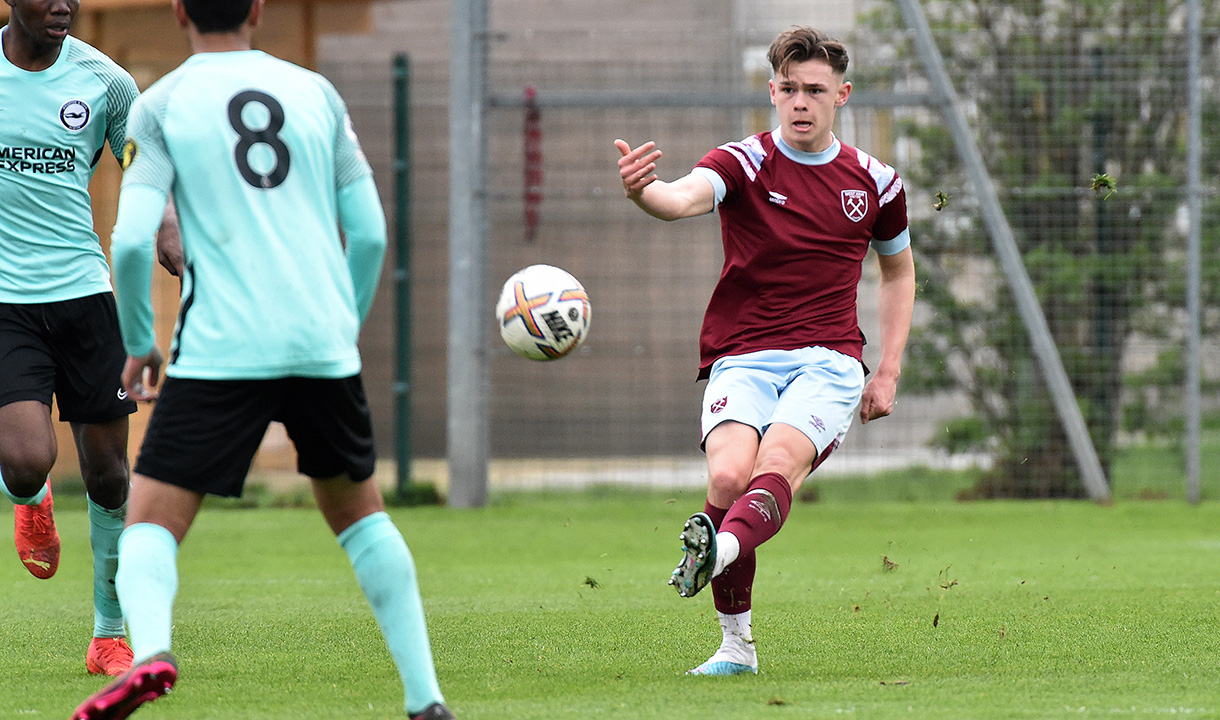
(265, 169)
(781, 346)
(61, 100)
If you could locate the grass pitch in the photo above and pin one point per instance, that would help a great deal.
(547, 606)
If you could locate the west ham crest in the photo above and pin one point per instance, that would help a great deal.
(855, 204)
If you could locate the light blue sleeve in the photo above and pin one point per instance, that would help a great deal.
(719, 189)
(894, 245)
(363, 223)
(132, 252)
(146, 158)
(122, 94)
(350, 162)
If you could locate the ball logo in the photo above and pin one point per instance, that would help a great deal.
(523, 309)
(855, 204)
(74, 114)
(719, 405)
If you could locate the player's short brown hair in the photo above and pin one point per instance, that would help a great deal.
(805, 43)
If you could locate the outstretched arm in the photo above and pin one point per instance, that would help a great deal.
(686, 197)
(897, 302)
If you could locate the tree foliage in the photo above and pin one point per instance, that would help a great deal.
(1080, 110)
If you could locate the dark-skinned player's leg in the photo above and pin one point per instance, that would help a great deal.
(27, 452)
(102, 449)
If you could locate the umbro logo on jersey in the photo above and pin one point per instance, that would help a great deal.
(855, 204)
(74, 114)
(777, 198)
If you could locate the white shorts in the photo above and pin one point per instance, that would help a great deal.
(813, 389)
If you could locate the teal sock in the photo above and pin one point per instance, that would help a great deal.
(38, 497)
(385, 571)
(105, 526)
(147, 582)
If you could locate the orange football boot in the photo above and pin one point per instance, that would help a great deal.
(108, 656)
(36, 538)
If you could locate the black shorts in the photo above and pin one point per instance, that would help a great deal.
(71, 349)
(203, 434)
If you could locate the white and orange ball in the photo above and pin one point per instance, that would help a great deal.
(543, 312)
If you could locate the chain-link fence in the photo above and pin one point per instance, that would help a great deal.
(1080, 109)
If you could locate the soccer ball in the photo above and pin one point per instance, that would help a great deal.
(543, 312)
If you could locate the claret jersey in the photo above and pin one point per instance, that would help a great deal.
(796, 227)
(53, 127)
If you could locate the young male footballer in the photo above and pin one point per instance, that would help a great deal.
(265, 169)
(781, 346)
(61, 100)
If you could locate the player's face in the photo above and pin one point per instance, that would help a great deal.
(42, 25)
(806, 98)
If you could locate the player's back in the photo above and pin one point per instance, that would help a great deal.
(267, 292)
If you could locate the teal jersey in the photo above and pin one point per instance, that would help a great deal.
(256, 153)
(54, 125)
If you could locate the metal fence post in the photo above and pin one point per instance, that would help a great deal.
(402, 273)
(468, 429)
(1194, 190)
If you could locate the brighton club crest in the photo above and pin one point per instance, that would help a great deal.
(74, 114)
(855, 204)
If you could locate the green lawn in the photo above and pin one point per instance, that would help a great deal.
(555, 606)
